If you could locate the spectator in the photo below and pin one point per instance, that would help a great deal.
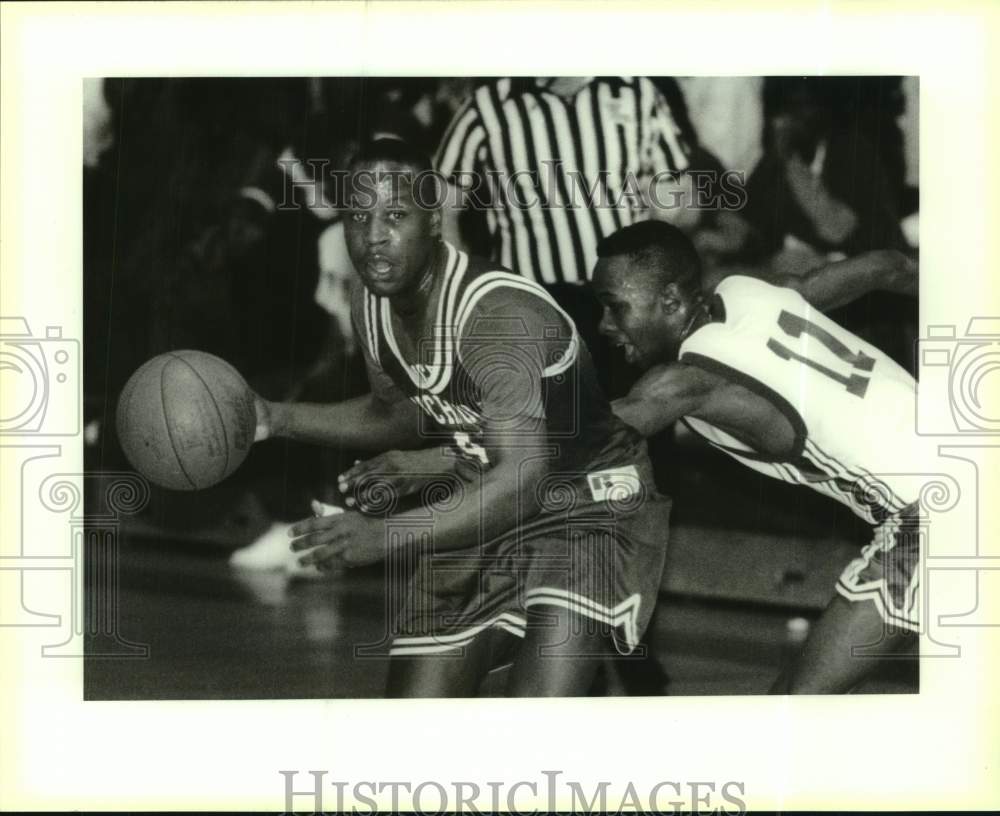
(714, 193)
(821, 186)
(824, 191)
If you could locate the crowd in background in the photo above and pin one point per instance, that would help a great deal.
(188, 242)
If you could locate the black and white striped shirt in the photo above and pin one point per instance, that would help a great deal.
(555, 174)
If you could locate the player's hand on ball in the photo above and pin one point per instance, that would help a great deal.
(341, 540)
(401, 472)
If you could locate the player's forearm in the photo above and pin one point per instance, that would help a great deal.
(839, 283)
(898, 273)
(660, 397)
(493, 503)
(641, 414)
(364, 423)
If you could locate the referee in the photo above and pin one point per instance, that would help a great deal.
(557, 164)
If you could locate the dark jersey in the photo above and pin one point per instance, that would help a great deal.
(499, 353)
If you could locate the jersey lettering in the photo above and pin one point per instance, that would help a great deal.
(795, 326)
(444, 412)
(470, 448)
(449, 412)
(425, 402)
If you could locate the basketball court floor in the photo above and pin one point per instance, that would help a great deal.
(751, 563)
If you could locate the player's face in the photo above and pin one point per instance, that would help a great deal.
(390, 238)
(644, 321)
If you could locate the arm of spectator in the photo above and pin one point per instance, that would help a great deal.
(671, 198)
(730, 236)
(833, 220)
(838, 283)
(875, 203)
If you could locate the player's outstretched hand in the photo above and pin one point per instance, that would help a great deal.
(401, 472)
(341, 540)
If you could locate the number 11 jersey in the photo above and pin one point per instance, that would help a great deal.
(851, 406)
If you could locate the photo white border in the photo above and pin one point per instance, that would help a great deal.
(938, 749)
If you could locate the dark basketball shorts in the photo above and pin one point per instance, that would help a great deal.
(888, 570)
(596, 549)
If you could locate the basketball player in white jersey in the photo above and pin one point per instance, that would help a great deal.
(760, 373)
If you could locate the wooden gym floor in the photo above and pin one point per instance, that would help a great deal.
(747, 557)
(216, 633)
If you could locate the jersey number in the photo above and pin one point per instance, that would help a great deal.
(470, 448)
(795, 326)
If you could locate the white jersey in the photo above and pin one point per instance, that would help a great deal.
(851, 406)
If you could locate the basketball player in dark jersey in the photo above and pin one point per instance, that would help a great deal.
(546, 541)
(760, 373)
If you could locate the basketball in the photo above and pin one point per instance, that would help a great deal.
(186, 420)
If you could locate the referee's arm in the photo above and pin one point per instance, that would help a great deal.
(456, 159)
(666, 155)
(451, 214)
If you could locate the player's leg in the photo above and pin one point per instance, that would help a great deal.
(456, 673)
(834, 660)
(614, 571)
(560, 655)
(875, 613)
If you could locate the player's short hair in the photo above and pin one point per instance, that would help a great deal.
(659, 245)
(393, 150)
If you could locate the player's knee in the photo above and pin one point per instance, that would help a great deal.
(413, 677)
(556, 630)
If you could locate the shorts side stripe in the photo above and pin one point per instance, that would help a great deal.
(624, 614)
(433, 644)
